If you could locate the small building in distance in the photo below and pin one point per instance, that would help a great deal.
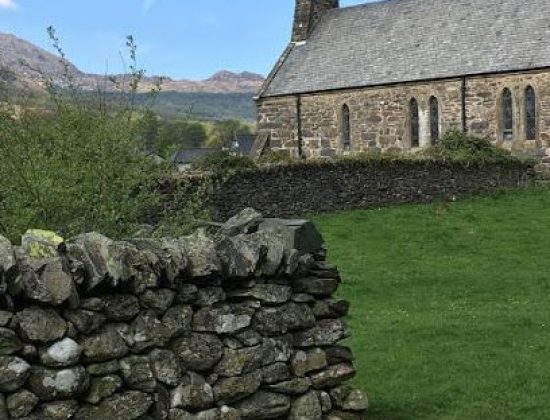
(397, 74)
(185, 158)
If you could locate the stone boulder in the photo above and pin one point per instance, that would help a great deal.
(39, 244)
(21, 403)
(10, 343)
(61, 354)
(194, 394)
(13, 373)
(129, 405)
(40, 325)
(230, 390)
(282, 319)
(264, 405)
(51, 385)
(198, 352)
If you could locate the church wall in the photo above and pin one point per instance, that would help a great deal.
(380, 116)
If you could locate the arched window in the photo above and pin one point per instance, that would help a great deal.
(434, 119)
(530, 113)
(507, 115)
(346, 128)
(415, 126)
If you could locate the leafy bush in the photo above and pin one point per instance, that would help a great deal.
(223, 161)
(455, 145)
(76, 167)
(276, 156)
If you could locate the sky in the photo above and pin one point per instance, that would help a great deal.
(189, 39)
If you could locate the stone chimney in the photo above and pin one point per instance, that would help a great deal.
(307, 14)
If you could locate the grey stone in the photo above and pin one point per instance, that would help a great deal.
(106, 368)
(63, 353)
(166, 367)
(51, 385)
(148, 331)
(305, 362)
(160, 299)
(40, 325)
(326, 332)
(302, 298)
(13, 373)
(44, 281)
(187, 293)
(104, 345)
(208, 296)
(91, 252)
(295, 386)
(103, 387)
(137, 373)
(326, 402)
(92, 304)
(333, 376)
(199, 352)
(178, 320)
(9, 342)
(129, 405)
(307, 406)
(244, 222)
(21, 403)
(264, 405)
(194, 393)
(85, 321)
(356, 400)
(7, 256)
(282, 319)
(3, 408)
(268, 293)
(277, 372)
(301, 235)
(338, 354)
(222, 320)
(121, 307)
(5, 318)
(230, 390)
(249, 337)
(314, 286)
(323, 309)
(241, 361)
(59, 410)
(201, 254)
(241, 255)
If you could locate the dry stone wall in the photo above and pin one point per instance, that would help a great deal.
(294, 190)
(237, 321)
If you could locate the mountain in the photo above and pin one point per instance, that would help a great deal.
(33, 66)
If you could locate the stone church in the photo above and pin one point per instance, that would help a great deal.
(397, 74)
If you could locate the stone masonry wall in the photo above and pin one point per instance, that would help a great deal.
(299, 189)
(233, 322)
(380, 115)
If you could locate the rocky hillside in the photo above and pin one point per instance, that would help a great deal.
(32, 66)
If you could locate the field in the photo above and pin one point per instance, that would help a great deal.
(450, 306)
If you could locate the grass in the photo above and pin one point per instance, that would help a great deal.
(450, 305)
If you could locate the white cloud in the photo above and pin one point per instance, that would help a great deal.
(147, 5)
(8, 4)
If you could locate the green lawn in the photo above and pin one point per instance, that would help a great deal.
(450, 305)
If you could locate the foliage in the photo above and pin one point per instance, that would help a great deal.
(223, 162)
(222, 133)
(455, 145)
(76, 168)
(449, 305)
(276, 156)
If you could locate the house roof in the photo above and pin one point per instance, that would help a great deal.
(245, 143)
(397, 41)
(191, 155)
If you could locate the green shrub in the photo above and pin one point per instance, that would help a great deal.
(222, 161)
(276, 156)
(75, 167)
(455, 145)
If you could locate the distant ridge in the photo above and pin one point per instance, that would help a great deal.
(31, 65)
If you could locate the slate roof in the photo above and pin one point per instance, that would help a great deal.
(242, 144)
(397, 41)
(187, 156)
